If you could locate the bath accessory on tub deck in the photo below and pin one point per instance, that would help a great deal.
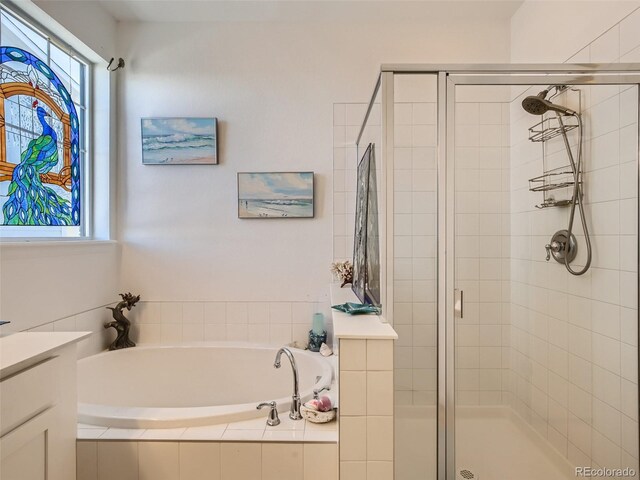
(294, 414)
(121, 323)
(273, 419)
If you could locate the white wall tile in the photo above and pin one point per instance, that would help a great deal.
(353, 470)
(193, 312)
(86, 460)
(353, 354)
(353, 393)
(240, 461)
(126, 468)
(158, 460)
(380, 354)
(321, 462)
(353, 438)
(379, 387)
(199, 461)
(282, 461)
(380, 471)
(170, 313)
(380, 438)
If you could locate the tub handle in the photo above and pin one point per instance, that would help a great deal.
(272, 419)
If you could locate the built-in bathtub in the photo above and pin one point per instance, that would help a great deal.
(190, 385)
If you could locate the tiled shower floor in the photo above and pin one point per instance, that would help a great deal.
(493, 446)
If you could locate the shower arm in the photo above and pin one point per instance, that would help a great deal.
(577, 192)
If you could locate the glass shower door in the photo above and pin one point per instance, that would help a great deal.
(415, 178)
(545, 361)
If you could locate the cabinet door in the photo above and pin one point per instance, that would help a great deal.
(25, 449)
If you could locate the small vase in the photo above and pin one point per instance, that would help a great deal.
(316, 340)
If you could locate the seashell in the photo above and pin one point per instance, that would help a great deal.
(325, 351)
(313, 405)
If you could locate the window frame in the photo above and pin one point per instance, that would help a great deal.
(85, 110)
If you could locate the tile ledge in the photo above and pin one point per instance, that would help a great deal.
(365, 327)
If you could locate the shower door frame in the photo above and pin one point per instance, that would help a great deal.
(450, 76)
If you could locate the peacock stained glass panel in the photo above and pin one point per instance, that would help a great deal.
(39, 144)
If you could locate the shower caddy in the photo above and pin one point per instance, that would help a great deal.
(563, 246)
(557, 178)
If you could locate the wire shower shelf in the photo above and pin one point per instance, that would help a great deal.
(550, 128)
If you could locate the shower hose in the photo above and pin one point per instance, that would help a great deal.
(577, 194)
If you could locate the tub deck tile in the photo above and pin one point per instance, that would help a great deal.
(122, 434)
(208, 432)
(90, 433)
(283, 436)
(162, 433)
(248, 431)
(242, 435)
(321, 436)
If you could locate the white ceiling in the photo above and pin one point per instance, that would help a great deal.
(307, 10)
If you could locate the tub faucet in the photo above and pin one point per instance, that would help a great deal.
(294, 413)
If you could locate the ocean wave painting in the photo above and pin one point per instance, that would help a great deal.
(275, 195)
(170, 141)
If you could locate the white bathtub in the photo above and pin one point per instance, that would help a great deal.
(180, 386)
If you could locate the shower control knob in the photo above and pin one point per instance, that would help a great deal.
(555, 247)
(560, 248)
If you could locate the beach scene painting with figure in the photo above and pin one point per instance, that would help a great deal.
(179, 141)
(275, 195)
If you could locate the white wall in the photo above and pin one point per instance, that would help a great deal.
(551, 31)
(273, 87)
(86, 21)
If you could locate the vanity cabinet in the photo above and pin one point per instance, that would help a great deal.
(38, 406)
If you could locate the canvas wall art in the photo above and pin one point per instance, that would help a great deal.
(275, 195)
(179, 141)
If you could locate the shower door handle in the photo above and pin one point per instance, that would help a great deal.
(458, 305)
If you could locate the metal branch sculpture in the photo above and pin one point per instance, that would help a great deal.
(121, 323)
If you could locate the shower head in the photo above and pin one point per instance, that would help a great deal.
(538, 104)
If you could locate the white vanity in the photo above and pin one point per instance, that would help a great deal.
(38, 405)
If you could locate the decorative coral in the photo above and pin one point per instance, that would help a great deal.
(343, 271)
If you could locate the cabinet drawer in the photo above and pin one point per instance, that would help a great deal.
(27, 393)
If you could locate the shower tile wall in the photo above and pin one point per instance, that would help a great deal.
(574, 339)
(274, 323)
(415, 238)
(482, 245)
(90, 321)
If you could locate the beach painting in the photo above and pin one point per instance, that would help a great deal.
(179, 141)
(275, 195)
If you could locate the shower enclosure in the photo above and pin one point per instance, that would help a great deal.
(509, 254)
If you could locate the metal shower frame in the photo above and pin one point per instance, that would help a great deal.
(448, 77)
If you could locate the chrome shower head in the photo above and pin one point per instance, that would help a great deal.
(538, 105)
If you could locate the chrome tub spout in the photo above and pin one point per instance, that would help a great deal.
(294, 413)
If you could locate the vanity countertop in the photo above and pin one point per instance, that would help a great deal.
(19, 350)
(357, 326)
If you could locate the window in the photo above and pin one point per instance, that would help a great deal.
(43, 133)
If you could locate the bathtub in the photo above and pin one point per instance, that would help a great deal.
(190, 385)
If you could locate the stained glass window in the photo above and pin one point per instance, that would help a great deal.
(43, 107)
